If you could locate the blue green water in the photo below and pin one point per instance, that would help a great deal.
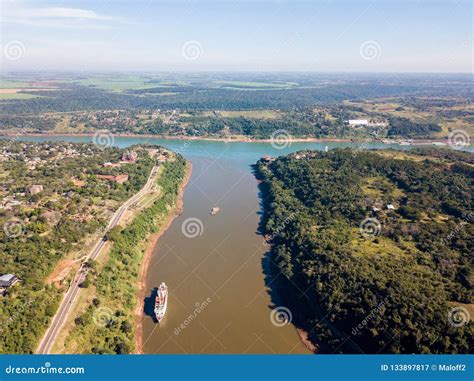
(239, 153)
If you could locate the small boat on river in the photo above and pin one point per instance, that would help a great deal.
(161, 302)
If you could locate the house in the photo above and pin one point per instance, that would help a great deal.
(35, 189)
(112, 165)
(268, 159)
(130, 156)
(51, 217)
(8, 280)
(357, 122)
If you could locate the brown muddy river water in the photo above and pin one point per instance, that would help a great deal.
(218, 301)
(213, 265)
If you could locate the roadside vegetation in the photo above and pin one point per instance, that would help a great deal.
(107, 324)
(52, 202)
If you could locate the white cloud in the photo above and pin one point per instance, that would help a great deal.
(59, 17)
(63, 13)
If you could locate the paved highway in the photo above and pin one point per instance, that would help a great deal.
(51, 334)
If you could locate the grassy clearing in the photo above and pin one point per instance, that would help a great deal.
(256, 85)
(17, 96)
(13, 85)
(377, 246)
(380, 188)
(257, 114)
(116, 84)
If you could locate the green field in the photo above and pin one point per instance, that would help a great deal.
(5, 84)
(116, 83)
(256, 85)
(18, 96)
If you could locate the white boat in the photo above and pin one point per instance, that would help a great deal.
(161, 302)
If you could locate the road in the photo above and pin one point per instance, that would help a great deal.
(69, 298)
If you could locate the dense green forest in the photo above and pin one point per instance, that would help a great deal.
(375, 247)
(48, 225)
(200, 92)
(407, 128)
(107, 324)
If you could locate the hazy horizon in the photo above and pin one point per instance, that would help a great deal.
(238, 36)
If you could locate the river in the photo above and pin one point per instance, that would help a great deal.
(213, 265)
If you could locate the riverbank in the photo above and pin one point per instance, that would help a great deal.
(106, 326)
(230, 139)
(268, 269)
(150, 245)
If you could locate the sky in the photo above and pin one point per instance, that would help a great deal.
(238, 35)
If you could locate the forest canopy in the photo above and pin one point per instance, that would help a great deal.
(375, 248)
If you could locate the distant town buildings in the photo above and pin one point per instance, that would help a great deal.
(268, 159)
(366, 123)
(111, 165)
(51, 217)
(8, 280)
(9, 202)
(130, 156)
(358, 122)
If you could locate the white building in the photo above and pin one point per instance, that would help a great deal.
(358, 122)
